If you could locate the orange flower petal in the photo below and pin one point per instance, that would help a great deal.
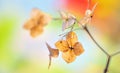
(71, 38)
(30, 24)
(55, 53)
(69, 56)
(41, 17)
(35, 31)
(35, 12)
(44, 19)
(62, 45)
(78, 49)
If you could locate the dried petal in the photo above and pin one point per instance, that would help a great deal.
(69, 22)
(64, 25)
(78, 49)
(69, 56)
(85, 21)
(71, 38)
(71, 16)
(62, 45)
(88, 13)
(30, 24)
(63, 15)
(44, 19)
(41, 17)
(53, 53)
(36, 12)
(93, 9)
(37, 30)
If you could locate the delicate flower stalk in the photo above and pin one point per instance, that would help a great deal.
(86, 29)
(114, 54)
(107, 64)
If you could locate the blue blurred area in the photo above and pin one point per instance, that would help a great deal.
(26, 5)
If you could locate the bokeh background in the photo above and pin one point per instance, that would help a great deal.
(20, 53)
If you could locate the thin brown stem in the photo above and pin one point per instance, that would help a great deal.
(49, 62)
(86, 29)
(56, 18)
(114, 54)
(107, 64)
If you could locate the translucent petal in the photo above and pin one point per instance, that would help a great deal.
(62, 45)
(78, 49)
(68, 23)
(71, 38)
(63, 14)
(71, 21)
(71, 16)
(69, 56)
(64, 25)
(93, 9)
(85, 21)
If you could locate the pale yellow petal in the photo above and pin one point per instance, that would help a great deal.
(69, 56)
(78, 49)
(71, 38)
(62, 45)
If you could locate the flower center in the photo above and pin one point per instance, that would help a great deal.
(71, 48)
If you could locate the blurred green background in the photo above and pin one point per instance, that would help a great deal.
(20, 53)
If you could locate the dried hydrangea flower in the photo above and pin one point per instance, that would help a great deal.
(69, 56)
(88, 16)
(70, 47)
(37, 22)
(68, 19)
(53, 53)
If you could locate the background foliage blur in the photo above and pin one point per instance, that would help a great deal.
(20, 53)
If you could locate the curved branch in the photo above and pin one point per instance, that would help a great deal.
(86, 29)
(107, 65)
(114, 54)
